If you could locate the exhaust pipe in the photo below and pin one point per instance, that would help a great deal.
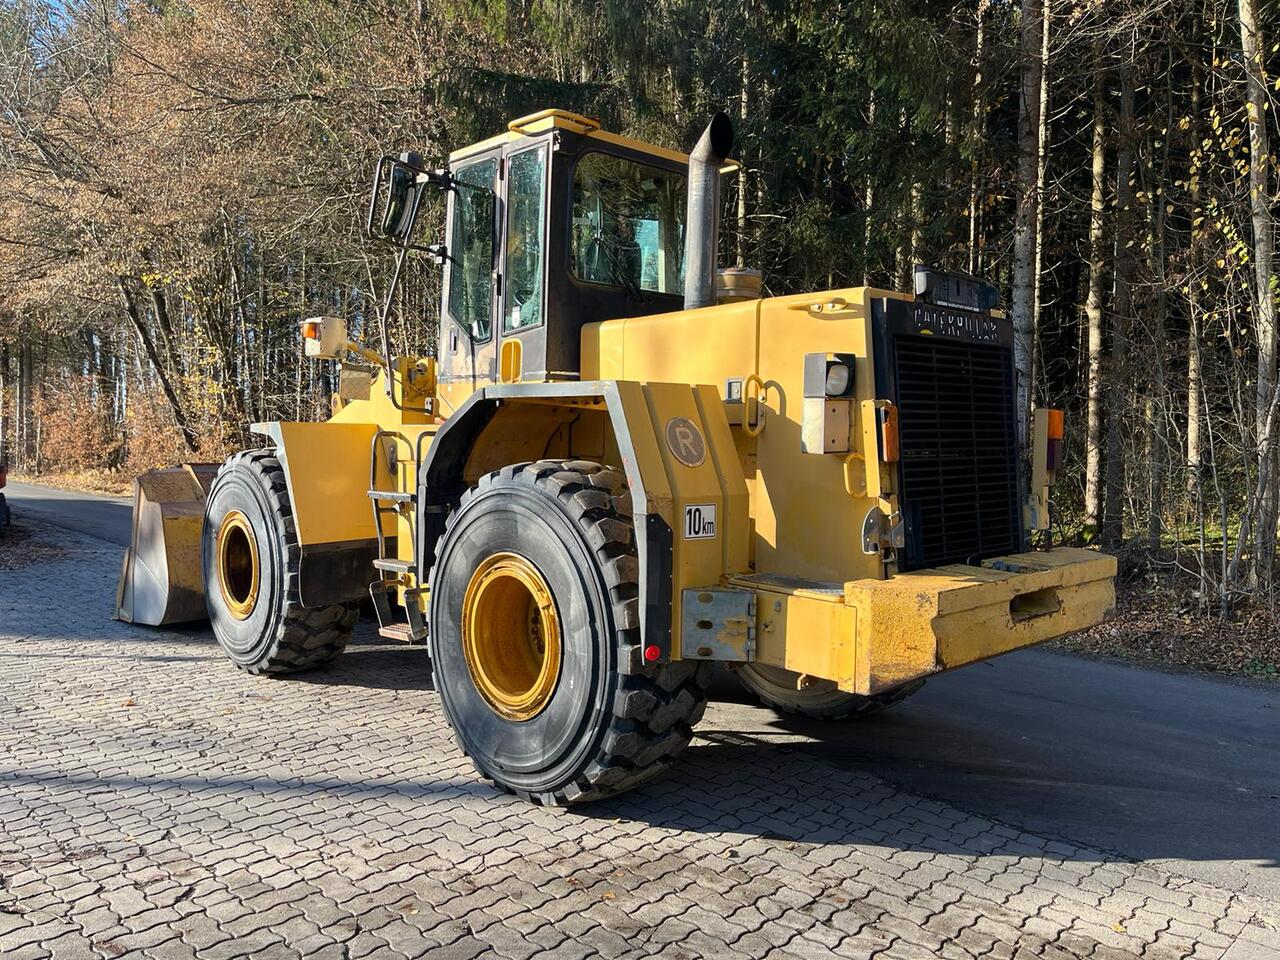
(702, 218)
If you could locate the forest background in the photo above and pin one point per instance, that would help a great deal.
(182, 182)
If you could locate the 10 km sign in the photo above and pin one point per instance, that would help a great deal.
(700, 521)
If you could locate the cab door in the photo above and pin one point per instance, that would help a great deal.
(523, 294)
(467, 354)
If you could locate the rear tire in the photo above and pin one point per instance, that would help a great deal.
(776, 688)
(250, 556)
(610, 721)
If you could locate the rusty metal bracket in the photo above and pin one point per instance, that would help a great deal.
(718, 623)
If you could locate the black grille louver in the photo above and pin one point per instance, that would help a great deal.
(959, 467)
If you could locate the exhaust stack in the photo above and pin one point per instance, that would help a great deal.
(702, 219)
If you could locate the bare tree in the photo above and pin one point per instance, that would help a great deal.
(1093, 304)
(1024, 231)
(1113, 510)
(1260, 160)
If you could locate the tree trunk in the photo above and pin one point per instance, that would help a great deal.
(1093, 308)
(25, 407)
(1122, 310)
(1194, 372)
(744, 238)
(1157, 402)
(868, 198)
(1251, 47)
(4, 403)
(1042, 167)
(906, 221)
(978, 136)
(918, 253)
(148, 345)
(1024, 239)
(160, 305)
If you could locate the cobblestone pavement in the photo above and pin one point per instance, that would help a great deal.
(155, 802)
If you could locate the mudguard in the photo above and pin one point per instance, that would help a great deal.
(688, 492)
(326, 466)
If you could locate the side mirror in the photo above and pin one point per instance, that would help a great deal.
(397, 195)
(401, 192)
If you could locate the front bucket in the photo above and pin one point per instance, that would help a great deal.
(161, 581)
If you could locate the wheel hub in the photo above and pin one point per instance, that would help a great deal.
(511, 636)
(236, 550)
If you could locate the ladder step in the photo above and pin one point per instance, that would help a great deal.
(395, 496)
(394, 566)
(397, 631)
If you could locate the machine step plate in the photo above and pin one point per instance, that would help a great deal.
(394, 496)
(397, 631)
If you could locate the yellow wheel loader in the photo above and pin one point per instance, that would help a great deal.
(622, 467)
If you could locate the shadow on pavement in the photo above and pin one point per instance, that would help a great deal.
(833, 786)
(1151, 766)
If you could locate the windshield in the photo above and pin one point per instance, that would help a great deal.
(628, 225)
(471, 248)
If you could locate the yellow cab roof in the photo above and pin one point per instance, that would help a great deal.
(546, 120)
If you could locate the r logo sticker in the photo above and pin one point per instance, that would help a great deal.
(685, 441)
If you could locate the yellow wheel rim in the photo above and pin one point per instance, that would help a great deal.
(511, 636)
(236, 550)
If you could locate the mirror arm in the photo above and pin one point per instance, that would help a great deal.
(401, 256)
(440, 178)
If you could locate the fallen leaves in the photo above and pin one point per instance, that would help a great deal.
(1151, 627)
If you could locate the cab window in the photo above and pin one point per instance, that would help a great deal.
(628, 225)
(471, 248)
(526, 216)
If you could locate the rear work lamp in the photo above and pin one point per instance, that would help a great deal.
(1048, 442)
(828, 402)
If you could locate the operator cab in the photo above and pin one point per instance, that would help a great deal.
(581, 225)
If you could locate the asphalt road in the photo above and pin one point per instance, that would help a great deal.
(1179, 769)
(1175, 768)
(107, 518)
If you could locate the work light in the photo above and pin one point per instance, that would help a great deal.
(837, 379)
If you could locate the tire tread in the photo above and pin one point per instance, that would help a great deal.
(652, 713)
(306, 637)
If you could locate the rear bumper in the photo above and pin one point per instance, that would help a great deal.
(928, 621)
(875, 635)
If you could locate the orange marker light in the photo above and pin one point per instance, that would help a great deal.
(310, 330)
(1056, 429)
(1056, 441)
(889, 449)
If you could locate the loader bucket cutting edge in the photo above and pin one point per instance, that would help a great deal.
(161, 580)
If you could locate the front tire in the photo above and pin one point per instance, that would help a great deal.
(543, 682)
(250, 557)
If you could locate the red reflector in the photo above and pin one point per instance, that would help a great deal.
(652, 652)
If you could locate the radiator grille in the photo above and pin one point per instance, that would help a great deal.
(958, 448)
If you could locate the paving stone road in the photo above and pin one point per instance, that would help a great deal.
(154, 802)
